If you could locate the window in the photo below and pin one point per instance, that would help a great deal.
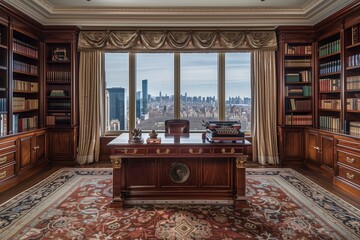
(176, 85)
(238, 89)
(154, 90)
(198, 88)
(117, 91)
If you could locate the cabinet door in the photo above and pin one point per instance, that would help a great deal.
(327, 148)
(312, 147)
(25, 151)
(65, 152)
(39, 147)
(291, 145)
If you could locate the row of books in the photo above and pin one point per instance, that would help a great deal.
(297, 62)
(299, 104)
(298, 119)
(57, 119)
(25, 67)
(354, 60)
(3, 107)
(330, 67)
(353, 104)
(329, 48)
(3, 124)
(59, 104)
(328, 85)
(26, 86)
(58, 92)
(302, 76)
(55, 76)
(329, 122)
(355, 35)
(25, 48)
(353, 83)
(297, 49)
(298, 91)
(23, 124)
(20, 103)
(354, 128)
(332, 104)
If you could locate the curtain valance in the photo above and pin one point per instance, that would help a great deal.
(176, 40)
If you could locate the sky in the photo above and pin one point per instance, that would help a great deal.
(198, 73)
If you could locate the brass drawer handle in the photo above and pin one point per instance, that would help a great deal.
(36, 148)
(126, 151)
(192, 151)
(350, 176)
(350, 160)
(3, 174)
(167, 151)
(223, 151)
(3, 160)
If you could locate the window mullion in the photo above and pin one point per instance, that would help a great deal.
(132, 91)
(221, 85)
(177, 85)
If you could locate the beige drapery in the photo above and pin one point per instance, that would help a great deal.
(91, 89)
(172, 40)
(265, 149)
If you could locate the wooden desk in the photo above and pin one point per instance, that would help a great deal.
(178, 170)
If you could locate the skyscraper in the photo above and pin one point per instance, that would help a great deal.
(139, 105)
(145, 96)
(117, 106)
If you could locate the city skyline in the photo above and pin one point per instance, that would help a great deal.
(197, 73)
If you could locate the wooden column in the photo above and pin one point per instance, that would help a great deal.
(240, 199)
(118, 199)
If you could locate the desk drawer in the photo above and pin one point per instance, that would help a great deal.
(7, 172)
(7, 158)
(7, 146)
(349, 175)
(349, 159)
(163, 151)
(228, 150)
(195, 151)
(345, 143)
(131, 151)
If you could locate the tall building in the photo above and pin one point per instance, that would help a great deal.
(145, 97)
(117, 106)
(139, 105)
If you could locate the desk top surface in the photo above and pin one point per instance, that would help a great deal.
(182, 139)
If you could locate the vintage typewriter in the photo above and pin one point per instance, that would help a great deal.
(223, 131)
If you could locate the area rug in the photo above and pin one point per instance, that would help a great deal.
(74, 204)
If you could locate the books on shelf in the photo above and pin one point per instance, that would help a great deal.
(25, 48)
(330, 67)
(298, 119)
(354, 60)
(329, 122)
(297, 49)
(353, 83)
(58, 118)
(3, 107)
(3, 124)
(304, 91)
(58, 92)
(354, 35)
(23, 124)
(302, 76)
(26, 86)
(329, 48)
(297, 62)
(59, 104)
(20, 103)
(56, 76)
(353, 104)
(299, 104)
(328, 85)
(354, 128)
(25, 67)
(331, 104)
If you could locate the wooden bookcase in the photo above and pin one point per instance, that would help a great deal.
(4, 69)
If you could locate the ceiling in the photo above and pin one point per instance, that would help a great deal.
(184, 13)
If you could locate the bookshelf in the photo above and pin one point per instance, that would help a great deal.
(297, 78)
(4, 68)
(329, 83)
(25, 82)
(352, 80)
(58, 84)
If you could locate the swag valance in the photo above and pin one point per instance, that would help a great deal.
(173, 40)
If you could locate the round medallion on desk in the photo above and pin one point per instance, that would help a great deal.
(179, 172)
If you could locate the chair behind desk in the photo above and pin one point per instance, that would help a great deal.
(177, 126)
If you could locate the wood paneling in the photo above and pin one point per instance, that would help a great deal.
(25, 151)
(311, 146)
(216, 174)
(143, 173)
(327, 151)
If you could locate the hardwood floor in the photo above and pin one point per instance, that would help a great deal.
(325, 183)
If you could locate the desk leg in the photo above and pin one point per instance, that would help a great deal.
(240, 199)
(117, 201)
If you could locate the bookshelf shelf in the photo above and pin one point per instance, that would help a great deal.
(26, 73)
(332, 55)
(353, 46)
(329, 110)
(25, 55)
(3, 68)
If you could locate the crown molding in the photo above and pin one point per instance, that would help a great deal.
(312, 12)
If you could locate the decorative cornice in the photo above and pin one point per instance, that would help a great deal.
(311, 12)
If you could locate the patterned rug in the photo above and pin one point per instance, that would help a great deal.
(74, 204)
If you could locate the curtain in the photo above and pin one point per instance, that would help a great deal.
(91, 90)
(176, 40)
(265, 149)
